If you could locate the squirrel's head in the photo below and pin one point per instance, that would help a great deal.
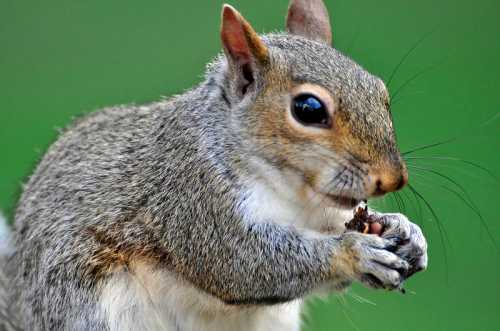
(306, 109)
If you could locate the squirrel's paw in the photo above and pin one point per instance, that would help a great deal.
(411, 243)
(371, 260)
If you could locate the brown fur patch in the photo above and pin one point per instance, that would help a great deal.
(113, 253)
(258, 48)
(276, 128)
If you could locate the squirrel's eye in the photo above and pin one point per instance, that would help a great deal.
(309, 110)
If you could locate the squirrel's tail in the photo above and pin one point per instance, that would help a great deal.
(8, 318)
(4, 235)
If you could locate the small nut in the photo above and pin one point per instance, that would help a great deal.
(364, 223)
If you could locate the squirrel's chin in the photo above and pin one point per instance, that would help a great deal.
(343, 202)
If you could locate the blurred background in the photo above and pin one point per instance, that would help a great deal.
(60, 59)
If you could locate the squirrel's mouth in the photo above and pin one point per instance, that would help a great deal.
(343, 201)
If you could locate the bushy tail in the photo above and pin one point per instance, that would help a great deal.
(8, 320)
(4, 235)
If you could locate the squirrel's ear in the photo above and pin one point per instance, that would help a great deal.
(309, 18)
(243, 47)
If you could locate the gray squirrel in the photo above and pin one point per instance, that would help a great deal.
(218, 209)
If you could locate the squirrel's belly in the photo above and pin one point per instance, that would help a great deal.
(144, 299)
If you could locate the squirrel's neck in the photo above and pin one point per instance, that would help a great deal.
(198, 124)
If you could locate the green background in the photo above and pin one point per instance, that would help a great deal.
(59, 59)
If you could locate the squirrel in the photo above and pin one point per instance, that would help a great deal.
(221, 208)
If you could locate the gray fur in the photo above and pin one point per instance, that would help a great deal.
(4, 235)
(164, 181)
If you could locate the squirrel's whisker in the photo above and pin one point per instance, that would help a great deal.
(396, 202)
(405, 96)
(466, 133)
(476, 211)
(409, 52)
(454, 167)
(447, 178)
(419, 204)
(442, 232)
(455, 159)
(467, 201)
(415, 76)
(345, 311)
(411, 201)
(428, 146)
(401, 200)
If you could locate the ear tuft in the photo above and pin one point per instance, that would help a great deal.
(309, 19)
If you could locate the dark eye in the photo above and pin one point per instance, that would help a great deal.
(309, 110)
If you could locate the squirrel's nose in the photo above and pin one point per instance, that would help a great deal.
(383, 181)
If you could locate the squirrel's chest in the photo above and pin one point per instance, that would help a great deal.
(150, 300)
(280, 204)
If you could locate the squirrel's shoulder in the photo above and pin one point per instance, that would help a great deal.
(132, 117)
(114, 116)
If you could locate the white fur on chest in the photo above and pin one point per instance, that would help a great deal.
(145, 299)
(158, 300)
(279, 202)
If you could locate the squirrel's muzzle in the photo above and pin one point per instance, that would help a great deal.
(386, 179)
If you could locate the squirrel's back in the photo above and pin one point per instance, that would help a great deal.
(91, 187)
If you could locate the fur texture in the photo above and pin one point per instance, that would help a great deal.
(4, 235)
(195, 213)
(9, 319)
